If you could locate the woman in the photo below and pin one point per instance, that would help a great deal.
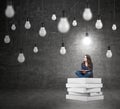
(86, 68)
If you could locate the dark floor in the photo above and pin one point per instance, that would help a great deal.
(54, 99)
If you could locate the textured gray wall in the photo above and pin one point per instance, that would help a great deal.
(49, 69)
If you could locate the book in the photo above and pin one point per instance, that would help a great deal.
(83, 85)
(84, 98)
(84, 90)
(86, 94)
(84, 80)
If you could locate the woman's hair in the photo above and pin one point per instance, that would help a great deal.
(89, 61)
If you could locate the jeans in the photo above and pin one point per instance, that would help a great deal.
(88, 74)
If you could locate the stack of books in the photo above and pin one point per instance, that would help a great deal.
(84, 89)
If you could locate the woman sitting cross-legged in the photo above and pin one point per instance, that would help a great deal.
(86, 68)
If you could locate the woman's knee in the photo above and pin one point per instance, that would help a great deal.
(89, 74)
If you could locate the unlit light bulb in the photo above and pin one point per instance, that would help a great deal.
(63, 24)
(27, 24)
(87, 14)
(99, 24)
(54, 17)
(74, 23)
(13, 27)
(21, 57)
(9, 11)
(7, 39)
(62, 49)
(109, 53)
(42, 31)
(114, 27)
(35, 49)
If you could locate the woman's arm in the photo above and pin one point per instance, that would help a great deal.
(84, 71)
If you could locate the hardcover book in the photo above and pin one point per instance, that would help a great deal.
(84, 90)
(83, 85)
(84, 80)
(84, 98)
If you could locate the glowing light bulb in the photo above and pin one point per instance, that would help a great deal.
(21, 57)
(109, 53)
(63, 24)
(7, 39)
(13, 27)
(35, 49)
(74, 23)
(42, 31)
(114, 27)
(87, 40)
(62, 49)
(27, 24)
(87, 14)
(99, 24)
(54, 17)
(9, 11)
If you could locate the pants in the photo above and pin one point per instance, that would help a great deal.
(86, 75)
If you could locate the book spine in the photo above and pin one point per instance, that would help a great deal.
(84, 85)
(84, 90)
(84, 80)
(85, 94)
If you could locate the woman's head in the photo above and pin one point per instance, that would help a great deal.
(87, 59)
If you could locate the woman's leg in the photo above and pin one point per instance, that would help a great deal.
(79, 74)
(88, 75)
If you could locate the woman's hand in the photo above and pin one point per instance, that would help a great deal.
(84, 71)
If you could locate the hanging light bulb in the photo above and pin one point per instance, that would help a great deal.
(114, 27)
(63, 24)
(9, 11)
(62, 49)
(74, 23)
(87, 13)
(35, 49)
(99, 24)
(27, 24)
(109, 53)
(13, 27)
(54, 17)
(7, 39)
(42, 31)
(86, 39)
(21, 57)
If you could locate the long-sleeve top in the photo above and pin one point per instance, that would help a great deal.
(83, 67)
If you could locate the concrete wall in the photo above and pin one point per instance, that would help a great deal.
(49, 69)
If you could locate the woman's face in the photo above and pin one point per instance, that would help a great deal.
(85, 58)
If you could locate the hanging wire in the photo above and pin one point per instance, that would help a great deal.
(114, 11)
(86, 33)
(27, 9)
(7, 26)
(87, 3)
(74, 13)
(63, 6)
(7, 20)
(62, 39)
(42, 11)
(21, 42)
(98, 7)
